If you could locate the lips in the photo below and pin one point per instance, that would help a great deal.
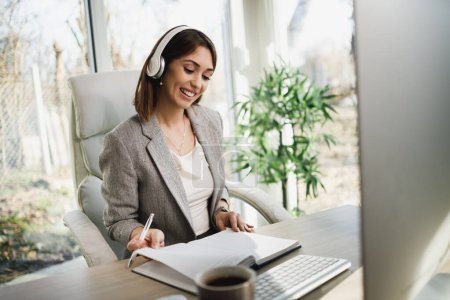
(187, 92)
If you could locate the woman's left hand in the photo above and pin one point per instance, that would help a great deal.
(233, 220)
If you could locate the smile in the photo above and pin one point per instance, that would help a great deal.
(187, 93)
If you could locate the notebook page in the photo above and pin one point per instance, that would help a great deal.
(189, 259)
(262, 247)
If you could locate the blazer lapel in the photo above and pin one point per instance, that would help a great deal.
(160, 154)
(210, 142)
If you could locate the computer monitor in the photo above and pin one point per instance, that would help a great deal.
(403, 86)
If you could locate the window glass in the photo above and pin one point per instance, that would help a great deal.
(317, 36)
(42, 43)
(133, 27)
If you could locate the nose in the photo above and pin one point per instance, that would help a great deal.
(196, 82)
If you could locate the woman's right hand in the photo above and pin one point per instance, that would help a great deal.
(154, 239)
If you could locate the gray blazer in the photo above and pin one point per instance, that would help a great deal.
(139, 177)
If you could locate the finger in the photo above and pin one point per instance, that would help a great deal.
(232, 218)
(154, 238)
(157, 238)
(220, 224)
(136, 244)
(131, 246)
(148, 240)
(154, 245)
(249, 228)
(221, 220)
(240, 223)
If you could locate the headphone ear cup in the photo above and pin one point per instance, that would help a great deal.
(155, 67)
(162, 65)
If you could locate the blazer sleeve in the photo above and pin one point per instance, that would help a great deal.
(119, 189)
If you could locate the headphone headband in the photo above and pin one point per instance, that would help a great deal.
(155, 66)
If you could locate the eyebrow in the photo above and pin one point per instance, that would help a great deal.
(197, 65)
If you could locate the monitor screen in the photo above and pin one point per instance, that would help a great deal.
(403, 85)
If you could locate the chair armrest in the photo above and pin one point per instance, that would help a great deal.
(260, 200)
(94, 248)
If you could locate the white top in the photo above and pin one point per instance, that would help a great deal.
(198, 184)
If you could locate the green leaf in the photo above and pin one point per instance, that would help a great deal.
(329, 139)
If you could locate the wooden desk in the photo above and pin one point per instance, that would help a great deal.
(334, 232)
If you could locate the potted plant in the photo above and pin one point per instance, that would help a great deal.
(282, 119)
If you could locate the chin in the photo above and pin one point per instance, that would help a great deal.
(186, 103)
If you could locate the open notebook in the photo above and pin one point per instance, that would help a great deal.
(178, 264)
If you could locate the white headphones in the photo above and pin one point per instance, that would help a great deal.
(155, 67)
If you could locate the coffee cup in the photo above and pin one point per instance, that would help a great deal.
(228, 282)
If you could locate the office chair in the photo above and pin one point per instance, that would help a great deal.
(100, 102)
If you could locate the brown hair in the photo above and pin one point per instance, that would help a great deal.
(183, 43)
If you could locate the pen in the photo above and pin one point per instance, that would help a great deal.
(141, 237)
(146, 227)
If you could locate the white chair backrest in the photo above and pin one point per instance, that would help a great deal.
(100, 102)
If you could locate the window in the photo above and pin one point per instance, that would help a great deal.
(316, 36)
(42, 44)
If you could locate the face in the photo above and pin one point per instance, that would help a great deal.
(187, 78)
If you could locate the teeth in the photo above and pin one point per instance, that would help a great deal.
(187, 93)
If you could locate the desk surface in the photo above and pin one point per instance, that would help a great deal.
(334, 232)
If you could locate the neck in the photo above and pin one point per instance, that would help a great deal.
(169, 116)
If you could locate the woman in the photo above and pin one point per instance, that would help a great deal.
(166, 159)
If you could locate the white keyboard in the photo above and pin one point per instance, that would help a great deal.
(298, 276)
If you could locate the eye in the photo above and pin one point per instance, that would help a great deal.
(206, 77)
(188, 71)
